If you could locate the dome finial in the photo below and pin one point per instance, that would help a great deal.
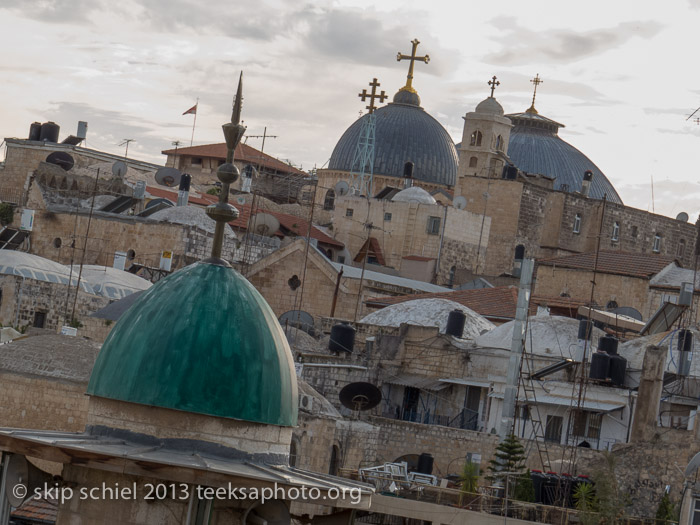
(537, 81)
(412, 57)
(222, 212)
(374, 85)
(493, 83)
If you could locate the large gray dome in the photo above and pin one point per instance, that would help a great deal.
(404, 132)
(535, 147)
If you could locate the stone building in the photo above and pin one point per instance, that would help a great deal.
(260, 172)
(411, 233)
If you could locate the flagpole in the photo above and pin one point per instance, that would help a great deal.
(196, 107)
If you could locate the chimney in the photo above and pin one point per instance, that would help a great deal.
(408, 174)
(183, 195)
(586, 184)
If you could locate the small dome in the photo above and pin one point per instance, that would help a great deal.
(113, 283)
(201, 340)
(191, 216)
(32, 266)
(429, 312)
(490, 106)
(403, 96)
(414, 194)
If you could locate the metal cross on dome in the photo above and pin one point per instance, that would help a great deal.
(373, 95)
(493, 83)
(412, 57)
(537, 81)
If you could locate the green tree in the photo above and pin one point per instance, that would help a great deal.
(509, 459)
(470, 477)
(213, 191)
(6, 213)
(667, 510)
(524, 488)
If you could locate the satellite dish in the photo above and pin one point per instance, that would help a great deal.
(342, 188)
(168, 177)
(272, 512)
(264, 224)
(360, 396)
(61, 159)
(628, 311)
(460, 203)
(240, 200)
(690, 469)
(682, 216)
(20, 471)
(119, 169)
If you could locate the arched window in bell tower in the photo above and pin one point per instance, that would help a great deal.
(472, 162)
(476, 138)
(499, 143)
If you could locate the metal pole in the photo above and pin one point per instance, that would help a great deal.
(87, 233)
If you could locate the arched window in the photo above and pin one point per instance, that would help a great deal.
(472, 162)
(681, 248)
(476, 138)
(293, 453)
(519, 252)
(499, 143)
(329, 201)
(335, 461)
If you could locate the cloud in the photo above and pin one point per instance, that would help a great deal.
(523, 45)
(54, 11)
(670, 197)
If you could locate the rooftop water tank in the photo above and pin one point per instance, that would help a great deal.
(342, 338)
(455, 323)
(35, 131)
(600, 366)
(49, 132)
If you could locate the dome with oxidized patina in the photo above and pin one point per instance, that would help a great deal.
(201, 340)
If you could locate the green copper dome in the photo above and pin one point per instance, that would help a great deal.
(201, 340)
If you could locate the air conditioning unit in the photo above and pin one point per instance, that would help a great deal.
(306, 402)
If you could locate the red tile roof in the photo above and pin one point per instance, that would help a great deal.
(496, 303)
(243, 153)
(37, 510)
(375, 250)
(642, 265)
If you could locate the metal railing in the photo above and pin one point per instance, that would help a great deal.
(465, 419)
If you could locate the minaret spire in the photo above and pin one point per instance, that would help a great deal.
(222, 212)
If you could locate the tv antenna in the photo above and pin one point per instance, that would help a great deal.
(126, 142)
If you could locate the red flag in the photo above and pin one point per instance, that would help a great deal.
(192, 110)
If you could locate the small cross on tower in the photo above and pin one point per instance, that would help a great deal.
(412, 57)
(537, 81)
(493, 83)
(364, 95)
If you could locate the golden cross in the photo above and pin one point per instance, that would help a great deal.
(537, 81)
(374, 85)
(493, 83)
(412, 57)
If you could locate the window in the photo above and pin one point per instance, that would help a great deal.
(499, 143)
(476, 138)
(616, 231)
(433, 225)
(335, 461)
(39, 319)
(196, 161)
(387, 217)
(451, 278)
(341, 259)
(635, 231)
(681, 248)
(577, 223)
(472, 162)
(249, 171)
(329, 201)
(519, 252)
(293, 453)
(349, 212)
(553, 427)
(657, 243)
(586, 424)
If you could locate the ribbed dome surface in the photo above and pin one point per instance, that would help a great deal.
(535, 147)
(201, 340)
(404, 132)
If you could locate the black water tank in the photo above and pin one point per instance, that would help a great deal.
(608, 344)
(35, 131)
(685, 348)
(455, 323)
(585, 329)
(342, 338)
(185, 181)
(425, 463)
(618, 367)
(549, 488)
(600, 366)
(538, 478)
(49, 132)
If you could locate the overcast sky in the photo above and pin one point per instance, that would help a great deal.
(620, 75)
